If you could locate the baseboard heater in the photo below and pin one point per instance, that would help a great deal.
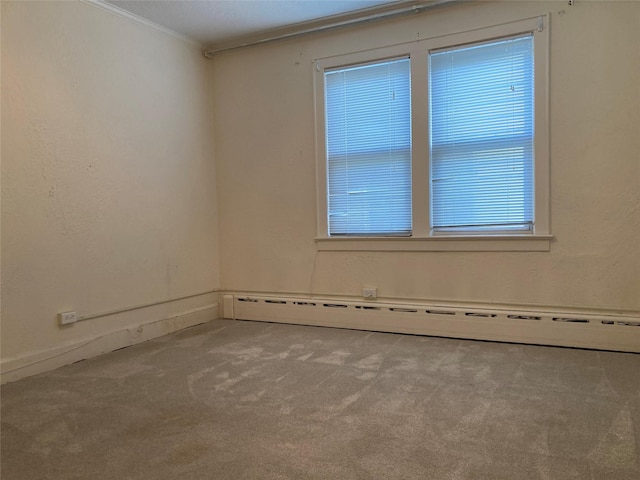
(578, 329)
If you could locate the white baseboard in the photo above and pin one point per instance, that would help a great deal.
(541, 326)
(38, 362)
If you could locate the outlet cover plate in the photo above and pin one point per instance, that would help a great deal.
(370, 293)
(65, 318)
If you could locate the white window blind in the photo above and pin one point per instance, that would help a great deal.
(368, 127)
(481, 108)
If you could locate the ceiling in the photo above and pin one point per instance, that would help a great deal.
(217, 22)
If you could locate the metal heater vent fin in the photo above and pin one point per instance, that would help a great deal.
(476, 314)
(570, 320)
(524, 317)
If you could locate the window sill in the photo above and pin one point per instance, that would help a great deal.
(448, 243)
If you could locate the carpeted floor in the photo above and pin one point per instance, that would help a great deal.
(248, 400)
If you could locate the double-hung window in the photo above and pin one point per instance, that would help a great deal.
(442, 142)
(481, 104)
(368, 111)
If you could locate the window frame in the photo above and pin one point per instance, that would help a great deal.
(423, 237)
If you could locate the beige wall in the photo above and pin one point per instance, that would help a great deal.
(110, 199)
(264, 126)
(108, 186)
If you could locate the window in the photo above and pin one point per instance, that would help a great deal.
(369, 148)
(481, 132)
(442, 142)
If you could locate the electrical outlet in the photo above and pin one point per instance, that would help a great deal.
(370, 293)
(65, 318)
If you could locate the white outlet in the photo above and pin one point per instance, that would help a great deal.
(65, 318)
(370, 293)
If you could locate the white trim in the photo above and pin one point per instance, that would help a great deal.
(132, 17)
(44, 360)
(420, 154)
(442, 243)
(542, 146)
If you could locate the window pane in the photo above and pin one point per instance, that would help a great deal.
(368, 122)
(481, 104)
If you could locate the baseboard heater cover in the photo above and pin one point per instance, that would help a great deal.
(585, 330)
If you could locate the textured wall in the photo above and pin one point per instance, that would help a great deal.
(108, 196)
(108, 187)
(264, 124)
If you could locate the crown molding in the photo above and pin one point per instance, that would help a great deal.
(333, 22)
(110, 8)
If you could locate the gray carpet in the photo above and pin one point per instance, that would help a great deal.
(248, 400)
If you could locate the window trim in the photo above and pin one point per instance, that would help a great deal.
(423, 238)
